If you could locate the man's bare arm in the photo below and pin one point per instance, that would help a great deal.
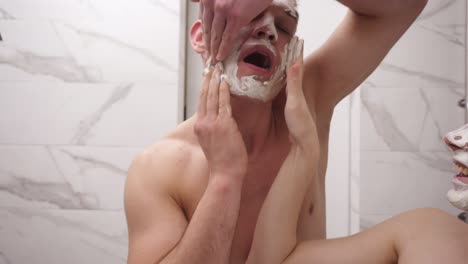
(158, 229)
(155, 221)
(365, 36)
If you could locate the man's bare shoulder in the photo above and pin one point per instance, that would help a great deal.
(163, 164)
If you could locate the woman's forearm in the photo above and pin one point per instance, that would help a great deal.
(383, 8)
(418, 236)
(275, 233)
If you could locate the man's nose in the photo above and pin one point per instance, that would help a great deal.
(265, 29)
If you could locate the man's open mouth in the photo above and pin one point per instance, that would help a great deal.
(259, 59)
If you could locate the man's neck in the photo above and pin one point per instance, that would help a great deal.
(255, 122)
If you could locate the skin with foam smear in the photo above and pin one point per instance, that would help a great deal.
(253, 86)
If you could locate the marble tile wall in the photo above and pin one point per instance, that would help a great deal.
(84, 86)
(408, 104)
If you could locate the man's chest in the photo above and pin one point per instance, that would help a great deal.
(261, 174)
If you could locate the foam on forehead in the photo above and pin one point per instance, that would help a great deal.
(290, 5)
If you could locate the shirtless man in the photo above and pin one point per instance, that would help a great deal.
(195, 196)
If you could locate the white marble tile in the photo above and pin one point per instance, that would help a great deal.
(33, 51)
(98, 172)
(410, 118)
(38, 37)
(440, 10)
(408, 104)
(369, 220)
(64, 177)
(50, 113)
(62, 236)
(137, 51)
(394, 182)
(79, 10)
(143, 116)
(144, 46)
(65, 10)
(431, 53)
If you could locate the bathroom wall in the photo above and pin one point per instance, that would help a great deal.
(407, 106)
(84, 86)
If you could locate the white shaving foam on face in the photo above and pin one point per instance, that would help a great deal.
(458, 196)
(253, 86)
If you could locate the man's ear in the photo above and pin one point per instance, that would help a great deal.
(196, 38)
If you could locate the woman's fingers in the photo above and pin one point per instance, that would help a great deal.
(212, 103)
(224, 99)
(227, 41)
(204, 92)
(217, 29)
(295, 72)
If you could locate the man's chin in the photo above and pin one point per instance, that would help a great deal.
(250, 98)
(249, 70)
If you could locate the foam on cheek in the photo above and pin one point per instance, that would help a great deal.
(251, 86)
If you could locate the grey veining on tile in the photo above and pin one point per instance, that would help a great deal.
(49, 113)
(86, 125)
(454, 29)
(65, 177)
(457, 40)
(87, 162)
(85, 85)
(100, 236)
(429, 113)
(90, 8)
(62, 68)
(408, 119)
(150, 55)
(386, 126)
(5, 15)
(60, 195)
(3, 258)
(434, 161)
(435, 7)
(67, 223)
(394, 182)
(441, 81)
